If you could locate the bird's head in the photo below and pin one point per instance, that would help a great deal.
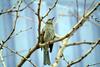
(50, 21)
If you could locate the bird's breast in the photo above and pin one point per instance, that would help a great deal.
(49, 34)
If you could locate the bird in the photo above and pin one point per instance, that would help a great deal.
(47, 35)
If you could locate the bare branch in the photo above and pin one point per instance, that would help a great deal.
(22, 61)
(15, 10)
(96, 19)
(10, 54)
(91, 5)
(84, 7)
(93, 64)
(21, 32)
(77, 11)
(1, 58)
(39, 20)
(78, 25)
(85, 55)
(9, 36)
(37, 45)
(80, 43)
(15, 52)
(30, 7)
(65, 59)
(50, 10)
(74, 29)
(14, 26)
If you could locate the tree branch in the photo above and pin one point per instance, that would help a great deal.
(14, 25)
(50, 10)
(74, 29)
(39, 20)
(2, 58)
(93, 64)
(21, 31)
(37, 45)
(85, 55)
(84, 7)
(77, 10)
(12, 9)
(15, 52)
(30, 7)
(80, 43)
(22, 61)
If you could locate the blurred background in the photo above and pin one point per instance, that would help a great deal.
(66, 13)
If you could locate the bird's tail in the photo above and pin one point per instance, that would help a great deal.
(46, 57)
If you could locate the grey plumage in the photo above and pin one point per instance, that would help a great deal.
(47, 35)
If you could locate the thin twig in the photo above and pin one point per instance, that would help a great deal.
(50, 10)
(94, 21)
(91, 5)
(21, 32)
(80, 43)
(12, 9)
(65, 59)
(14, 25)
(15, 52)
(30, 7)
(77, 11)
(11, 54)
(22, 61)
(84, 7)
(93, 64)
(85, 55)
